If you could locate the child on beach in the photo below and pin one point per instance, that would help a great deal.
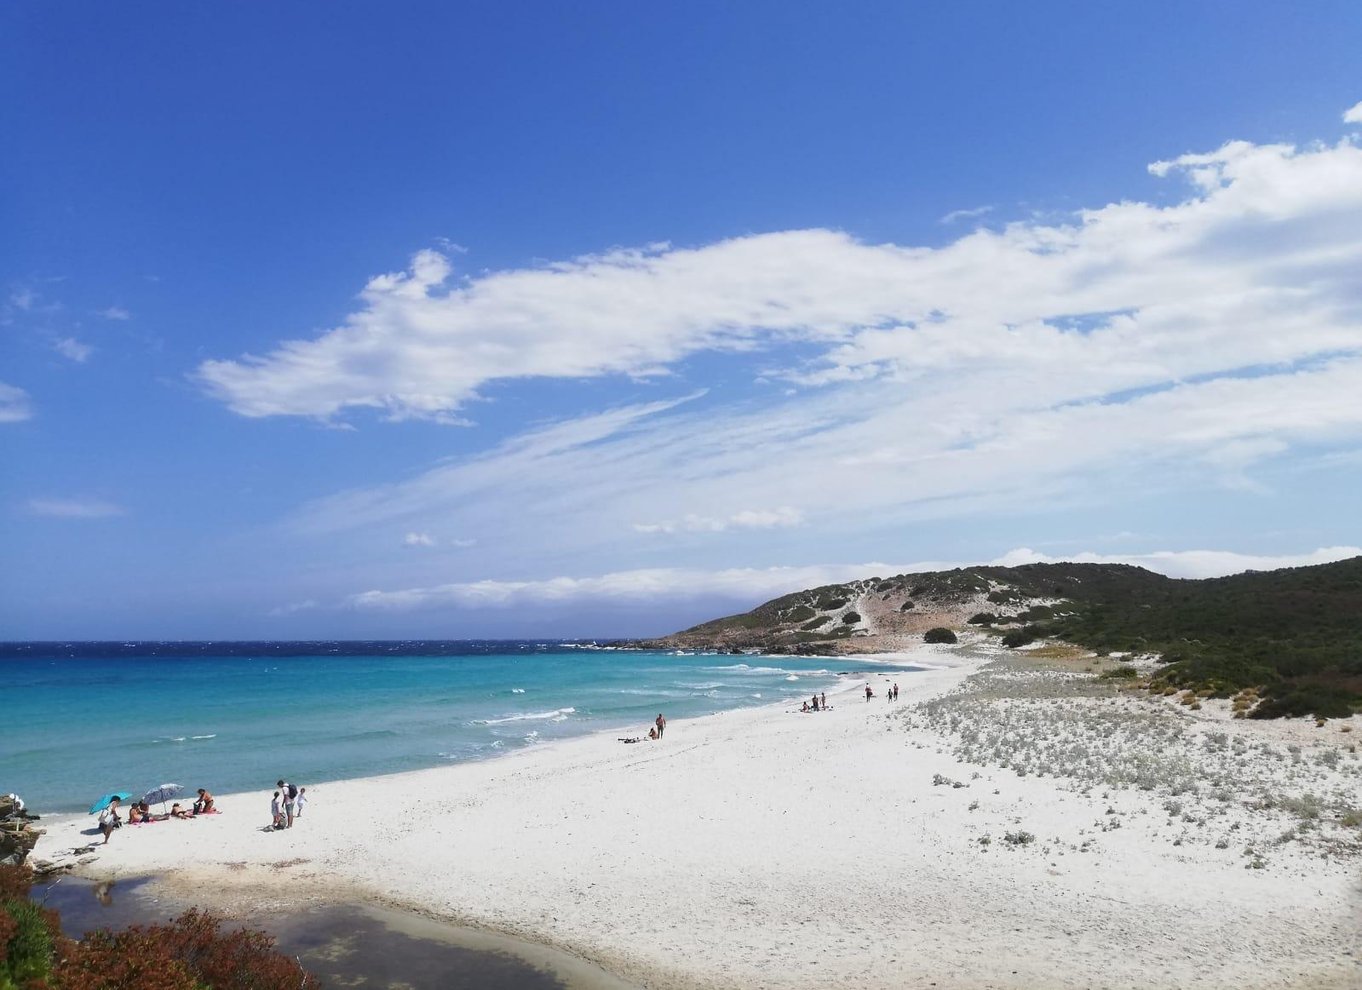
(300, 803)
(276, 812)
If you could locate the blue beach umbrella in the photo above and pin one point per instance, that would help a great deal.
(162, 794)
(107, 800)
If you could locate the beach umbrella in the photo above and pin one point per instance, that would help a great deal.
(107, 800)
(159, 795)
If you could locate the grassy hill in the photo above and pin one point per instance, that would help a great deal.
(1295, 635)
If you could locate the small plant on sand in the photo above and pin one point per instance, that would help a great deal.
(1019, 838)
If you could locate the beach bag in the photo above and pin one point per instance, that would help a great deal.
(293, 792)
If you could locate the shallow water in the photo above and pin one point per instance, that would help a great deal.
(347, 945)
(85, 719)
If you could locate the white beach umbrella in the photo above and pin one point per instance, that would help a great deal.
(162, 794)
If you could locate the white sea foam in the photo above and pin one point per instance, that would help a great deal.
(557, 715)
(517, 690)
(792, 677)
(211, 735)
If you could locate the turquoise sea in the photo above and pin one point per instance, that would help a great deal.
(82, 719)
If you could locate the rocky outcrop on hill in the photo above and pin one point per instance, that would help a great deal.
(17, 834)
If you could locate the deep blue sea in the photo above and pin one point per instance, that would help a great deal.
(81, 719)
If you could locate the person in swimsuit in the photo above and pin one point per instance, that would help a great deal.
(204, 804)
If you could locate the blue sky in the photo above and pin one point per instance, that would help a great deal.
(505, 319)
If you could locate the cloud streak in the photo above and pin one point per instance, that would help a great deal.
(73, 508)
(754, 585)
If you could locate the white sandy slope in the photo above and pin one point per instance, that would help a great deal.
(768, 848)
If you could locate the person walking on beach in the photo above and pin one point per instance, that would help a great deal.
(868, 693)
(290, 794)
(661, 725)
(896, 690)
(300, 803)
(825, 699)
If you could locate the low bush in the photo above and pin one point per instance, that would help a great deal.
(982, 619)
(1016, 638)
(940, 634)
(851, 618)
(1123, 672)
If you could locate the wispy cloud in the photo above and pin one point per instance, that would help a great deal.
(753, 585)
(115, 313)
(746, 519)
(1131, 346)
(649, 584)
(73, 508)
(15, 406)
(971, 214)
(418, 540)
(1189, 563)
(69, 347)
(1353, 115)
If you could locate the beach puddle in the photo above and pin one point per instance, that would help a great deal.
(353, 946)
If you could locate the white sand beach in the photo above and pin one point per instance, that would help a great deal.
(848, 848)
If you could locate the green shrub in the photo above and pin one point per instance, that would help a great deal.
(1124, 672)
(940, 634)
(906, 606)
(982, 619)
(851, 618)
(28, 952)
(1018, 637)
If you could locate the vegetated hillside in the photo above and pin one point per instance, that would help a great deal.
(1294, 634)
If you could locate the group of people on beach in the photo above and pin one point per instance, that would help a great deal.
(890, 694)
(139, 812)
(286, 805)
(819, 703)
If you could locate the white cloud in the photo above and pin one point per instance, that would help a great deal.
(644, 584)
(15, 406)
(1189, 563)
(1137, 348)
(1257, 266)
(745, 519)
(73, 508)
(418, 540)
(971, 214)
(754, 585)
(115, 313)
(69, 347)
(1353, 115)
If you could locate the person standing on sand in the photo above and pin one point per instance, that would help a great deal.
(290, 794)
(896, 690)
(661, 725)
(300, 803)
(868, 693)
(825, 699)
(109, 820)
